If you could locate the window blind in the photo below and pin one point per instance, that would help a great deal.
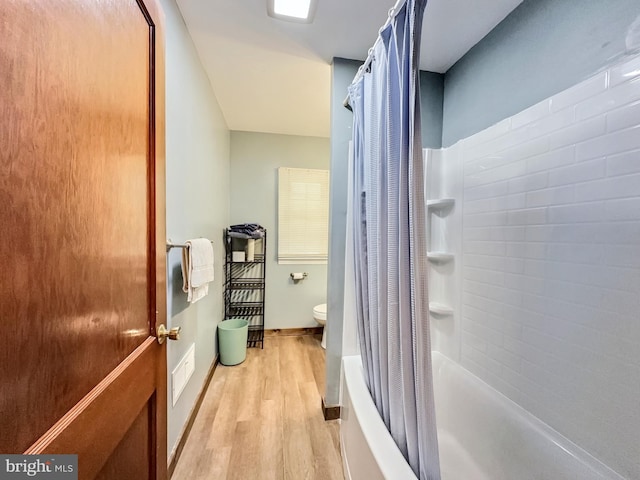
(303, 215)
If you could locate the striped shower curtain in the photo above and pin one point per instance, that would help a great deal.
(389, 240)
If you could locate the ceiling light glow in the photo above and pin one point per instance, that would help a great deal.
(292, 8)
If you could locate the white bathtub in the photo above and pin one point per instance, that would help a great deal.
(482, 435)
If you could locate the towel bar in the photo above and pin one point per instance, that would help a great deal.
(171, 245)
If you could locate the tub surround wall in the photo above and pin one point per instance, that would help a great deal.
(547, 261)
(444, 181)
(550, 204)
(255, 158)
(485, 436)
(540, 49)
(482, 435)
(197, 176)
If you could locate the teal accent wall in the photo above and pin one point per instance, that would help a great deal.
(197, 197)
(431, 105)
(540, 49)
(255, 159)
(342, 73)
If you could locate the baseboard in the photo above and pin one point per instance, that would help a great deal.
(288, 332)
(175, 455)
(330, 412)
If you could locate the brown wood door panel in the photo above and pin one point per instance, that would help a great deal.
(125, 460)
(82, 210)
(97, 424)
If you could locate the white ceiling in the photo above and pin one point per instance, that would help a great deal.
(275, 77)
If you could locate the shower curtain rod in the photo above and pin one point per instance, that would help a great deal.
(399, 4)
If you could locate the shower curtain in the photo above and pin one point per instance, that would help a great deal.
(389, 239)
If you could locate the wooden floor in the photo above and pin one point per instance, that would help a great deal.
(262, 419)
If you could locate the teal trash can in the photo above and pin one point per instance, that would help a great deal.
(232, 340)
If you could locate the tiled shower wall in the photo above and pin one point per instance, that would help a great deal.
(550, 267)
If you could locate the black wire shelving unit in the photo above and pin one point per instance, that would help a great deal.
(244, 287)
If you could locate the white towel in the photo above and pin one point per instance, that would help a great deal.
(197, 268)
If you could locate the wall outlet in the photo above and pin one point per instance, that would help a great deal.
(182, 373)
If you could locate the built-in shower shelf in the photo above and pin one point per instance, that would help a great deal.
(440, 308)
(440, 203)
(440, 257)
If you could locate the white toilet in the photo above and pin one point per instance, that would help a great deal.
(320, 315)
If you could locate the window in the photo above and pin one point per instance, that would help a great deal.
(303, 215)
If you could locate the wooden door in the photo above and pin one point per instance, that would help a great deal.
(82, 254)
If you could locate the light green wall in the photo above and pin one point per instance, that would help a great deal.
(197, 204)
(255, 159)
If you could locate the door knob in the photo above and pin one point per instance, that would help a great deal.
(163, 333)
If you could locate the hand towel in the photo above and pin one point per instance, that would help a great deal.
(197, 268)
